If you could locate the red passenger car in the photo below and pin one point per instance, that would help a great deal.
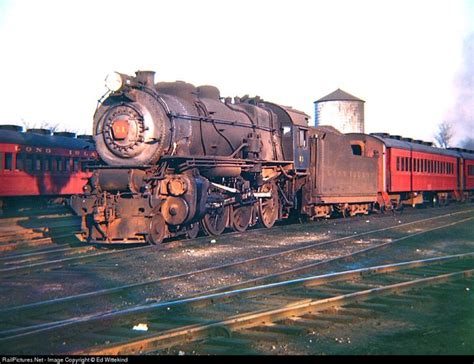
(36, 163)
(466, 166)
(468, 162)
(414, 171)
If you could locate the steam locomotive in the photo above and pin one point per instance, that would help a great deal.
(179, 158)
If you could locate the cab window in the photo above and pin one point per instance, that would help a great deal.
(303, 135)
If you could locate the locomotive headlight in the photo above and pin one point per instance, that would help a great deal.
(114, 81)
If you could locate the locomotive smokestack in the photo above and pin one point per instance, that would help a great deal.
(146, 78)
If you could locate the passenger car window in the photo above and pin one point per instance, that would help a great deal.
(47, 164)
(38, 163)
(8, 161)
(59, 164)
(29, 163)
(20, 161)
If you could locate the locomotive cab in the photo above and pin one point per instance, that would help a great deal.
(300, 147)
(294, 135)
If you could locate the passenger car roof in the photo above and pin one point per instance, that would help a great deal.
(407, 145)
(39, 140)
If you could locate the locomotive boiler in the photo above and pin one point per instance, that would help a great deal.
(178, 158)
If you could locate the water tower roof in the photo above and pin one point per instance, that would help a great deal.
(339, 95)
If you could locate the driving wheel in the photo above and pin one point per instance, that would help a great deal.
(241, 218)
(215, 221)
(268, 206)
(192, 230)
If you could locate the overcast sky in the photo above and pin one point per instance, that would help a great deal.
(410, 61)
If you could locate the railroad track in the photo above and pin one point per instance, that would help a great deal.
(47, 315)
(292, 307)
(44, 222)
(57, 225)
(59, 233)
(41, 255)
(23, 214)
(280, 305)
(18, 265)
(31, 232)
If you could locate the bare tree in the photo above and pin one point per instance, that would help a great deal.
(42, 125)
(70, 129)
(444, 135)
(27, 124)
(48, 125)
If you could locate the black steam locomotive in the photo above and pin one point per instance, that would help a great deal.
(179, 158)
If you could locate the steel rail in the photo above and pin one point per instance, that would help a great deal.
(36, 236)
(8, 218)
(236, 287)
(211, 298)
(40, 233)
(60, 262)
(257, 318)
(58, 223)
(50, 325)
(50, 250)
(33, 243)
(32, 236)
(67, 260)
(30, 258)
(243, 293)
(114, 290)
(196, 332)
(7, 222)
(309, 267)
